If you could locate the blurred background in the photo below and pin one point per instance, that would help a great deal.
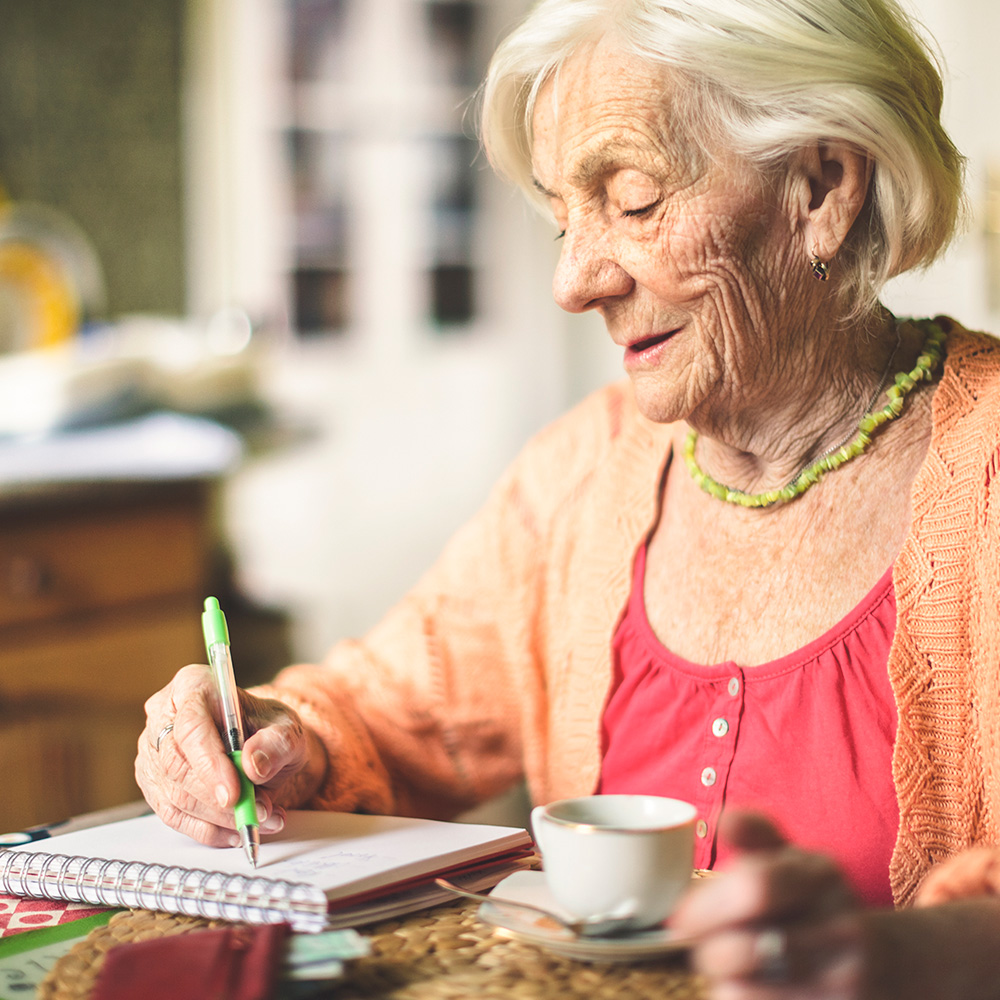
(268, 325)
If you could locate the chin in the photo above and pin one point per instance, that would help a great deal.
(659, 402)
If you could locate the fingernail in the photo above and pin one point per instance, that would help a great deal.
(222, 795)
(261, 811)
(275, 823)
(235, 841)
(261, 762)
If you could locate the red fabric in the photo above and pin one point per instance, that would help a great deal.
(229, 963)
(808, 737)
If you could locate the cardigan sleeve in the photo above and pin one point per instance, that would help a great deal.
(984, 638)
(429, 713)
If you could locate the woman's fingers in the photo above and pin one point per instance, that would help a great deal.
(276, 744)
(165, 779)
(195, 758)
(185, 773)
(191, 825)
(180, 765)
(282, 755)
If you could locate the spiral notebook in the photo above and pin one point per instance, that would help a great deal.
(323, 870)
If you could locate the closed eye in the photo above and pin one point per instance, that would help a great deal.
(639, 213)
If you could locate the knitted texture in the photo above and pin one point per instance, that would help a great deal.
(497, 664)
(945, 663)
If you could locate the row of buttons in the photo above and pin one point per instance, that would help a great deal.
(709, 775)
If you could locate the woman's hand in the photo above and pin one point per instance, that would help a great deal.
(184, 772)
(779, 923)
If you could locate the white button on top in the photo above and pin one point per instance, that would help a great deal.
(708, 776)
(701, 828)
(734, 686)
(720, 727)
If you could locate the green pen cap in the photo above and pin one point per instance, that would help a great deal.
(213, 623)
(246, 808)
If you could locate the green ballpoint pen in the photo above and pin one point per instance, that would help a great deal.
(213, 624)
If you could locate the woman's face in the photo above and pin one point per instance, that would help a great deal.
(695, 267)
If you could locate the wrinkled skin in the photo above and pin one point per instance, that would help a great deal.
(697, 264)
(190, 781)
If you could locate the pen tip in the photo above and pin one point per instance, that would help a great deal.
(251, 844)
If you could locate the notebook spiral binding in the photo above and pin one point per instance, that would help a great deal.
(188, 891)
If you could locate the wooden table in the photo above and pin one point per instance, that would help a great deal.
(440, 954)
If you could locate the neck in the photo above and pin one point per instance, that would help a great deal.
(806, 406)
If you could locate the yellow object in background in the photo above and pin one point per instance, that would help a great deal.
(50, 277)
(49, 302)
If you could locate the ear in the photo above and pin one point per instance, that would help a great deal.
(837, 178)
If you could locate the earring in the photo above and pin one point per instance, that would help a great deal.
(820, 268)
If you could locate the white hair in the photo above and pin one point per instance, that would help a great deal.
(764, 79)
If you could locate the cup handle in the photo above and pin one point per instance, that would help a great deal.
(537, 825)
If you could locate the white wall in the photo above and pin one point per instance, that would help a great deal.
(966, 283)
(410, 428)
(406, 448)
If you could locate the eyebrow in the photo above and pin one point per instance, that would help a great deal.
(608, 156)
(598, 162)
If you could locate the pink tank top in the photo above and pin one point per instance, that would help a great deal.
(806, 738)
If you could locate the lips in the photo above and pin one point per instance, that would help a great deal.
(644, 345)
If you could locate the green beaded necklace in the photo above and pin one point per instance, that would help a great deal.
(930, 356)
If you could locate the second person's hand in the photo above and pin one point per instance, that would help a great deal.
(778, 923)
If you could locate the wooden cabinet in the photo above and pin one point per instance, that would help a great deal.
(100, 593)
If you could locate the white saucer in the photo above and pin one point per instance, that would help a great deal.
(522, 925)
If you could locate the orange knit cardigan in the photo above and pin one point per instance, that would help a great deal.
(497, 664)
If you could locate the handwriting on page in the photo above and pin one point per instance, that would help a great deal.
(311, 867)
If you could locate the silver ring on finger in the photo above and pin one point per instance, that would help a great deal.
(771, 955)
(161, 734)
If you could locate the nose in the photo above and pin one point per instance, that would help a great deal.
(588, 273)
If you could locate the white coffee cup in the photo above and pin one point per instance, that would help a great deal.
(625, 855)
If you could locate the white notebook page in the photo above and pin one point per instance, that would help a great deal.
(343, 854)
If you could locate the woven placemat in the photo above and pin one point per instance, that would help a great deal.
(73, 976)
(441, 954)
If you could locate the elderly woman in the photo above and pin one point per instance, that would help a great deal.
(758, 573)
